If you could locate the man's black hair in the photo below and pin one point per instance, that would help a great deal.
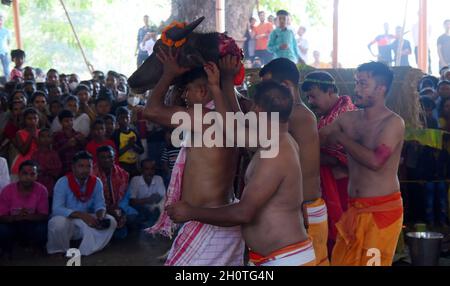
(147, 161)
(17, 54)
(109, 117)
(122, 110)
(28, 111)
(65, 114)
(275, 98)
(427, 102)
(83, 155)
(53, 70)
(282, 13)
(103, 98)
(282, 69)
(323, 80)
(82, 87)
(443, 82)
(71, 98)
(192, 75)
(37, 94)
(105, 149)
(98, 121)
(29, 163)
(382, 74)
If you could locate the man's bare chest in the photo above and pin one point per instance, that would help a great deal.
(365, 133)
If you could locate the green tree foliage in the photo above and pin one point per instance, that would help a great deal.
(311, 8)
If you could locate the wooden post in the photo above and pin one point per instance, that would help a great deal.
(220, 16)
(336, 34)
(423, 35)
(16, 14)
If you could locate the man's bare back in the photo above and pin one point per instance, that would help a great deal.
(277, 224)
(374, 181)
(303, 128)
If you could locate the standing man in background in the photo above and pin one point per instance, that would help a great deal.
(384, 46)
(443, 45)
(5, 42)
(142, 54)
(262, 33)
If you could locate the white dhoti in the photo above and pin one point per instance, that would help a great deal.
(62, 230)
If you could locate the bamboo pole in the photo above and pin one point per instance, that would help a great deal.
(16, 15)
(336, 34)
(88, 65)
(220, 16)
(423, 35)
(401, 41)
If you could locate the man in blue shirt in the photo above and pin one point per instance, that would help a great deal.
(79, 211)
(282, 42)
(5, 41)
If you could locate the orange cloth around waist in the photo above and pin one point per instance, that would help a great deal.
(313, 204)
(258, 259)
(385, 211)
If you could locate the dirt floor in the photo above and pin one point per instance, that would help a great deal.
(139, 249)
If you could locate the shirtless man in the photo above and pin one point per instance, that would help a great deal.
(271, 203)
(373, 140)
(303, 128)
(203, 176)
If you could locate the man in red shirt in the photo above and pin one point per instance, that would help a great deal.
(262, 33)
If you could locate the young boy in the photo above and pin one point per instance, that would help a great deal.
(68, 142)
(110, 123)
(55, 107)
(49, 162)
(99, 139)
(282, 42)
(128, 142)
(103, 106)
(18, 57)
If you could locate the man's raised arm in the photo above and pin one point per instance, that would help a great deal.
(155, 109)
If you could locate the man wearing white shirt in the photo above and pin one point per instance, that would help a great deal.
(5, 41)
(303, 44)
(146, 192)
(81, 122)
(149, 41)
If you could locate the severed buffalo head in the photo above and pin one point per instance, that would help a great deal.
(195, 52)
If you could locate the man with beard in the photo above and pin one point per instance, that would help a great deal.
(373, 140)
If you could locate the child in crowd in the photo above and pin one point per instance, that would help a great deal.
(39, 102)
(99, 139)
(18, 57)
(68, 142)
(111, 126)
(48, 160)
(26, 139)
(128, 142)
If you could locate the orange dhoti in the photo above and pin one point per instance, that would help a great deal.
(368, 232)
(300, 254)
(318, 230)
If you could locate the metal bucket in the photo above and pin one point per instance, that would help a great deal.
(425, 248)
